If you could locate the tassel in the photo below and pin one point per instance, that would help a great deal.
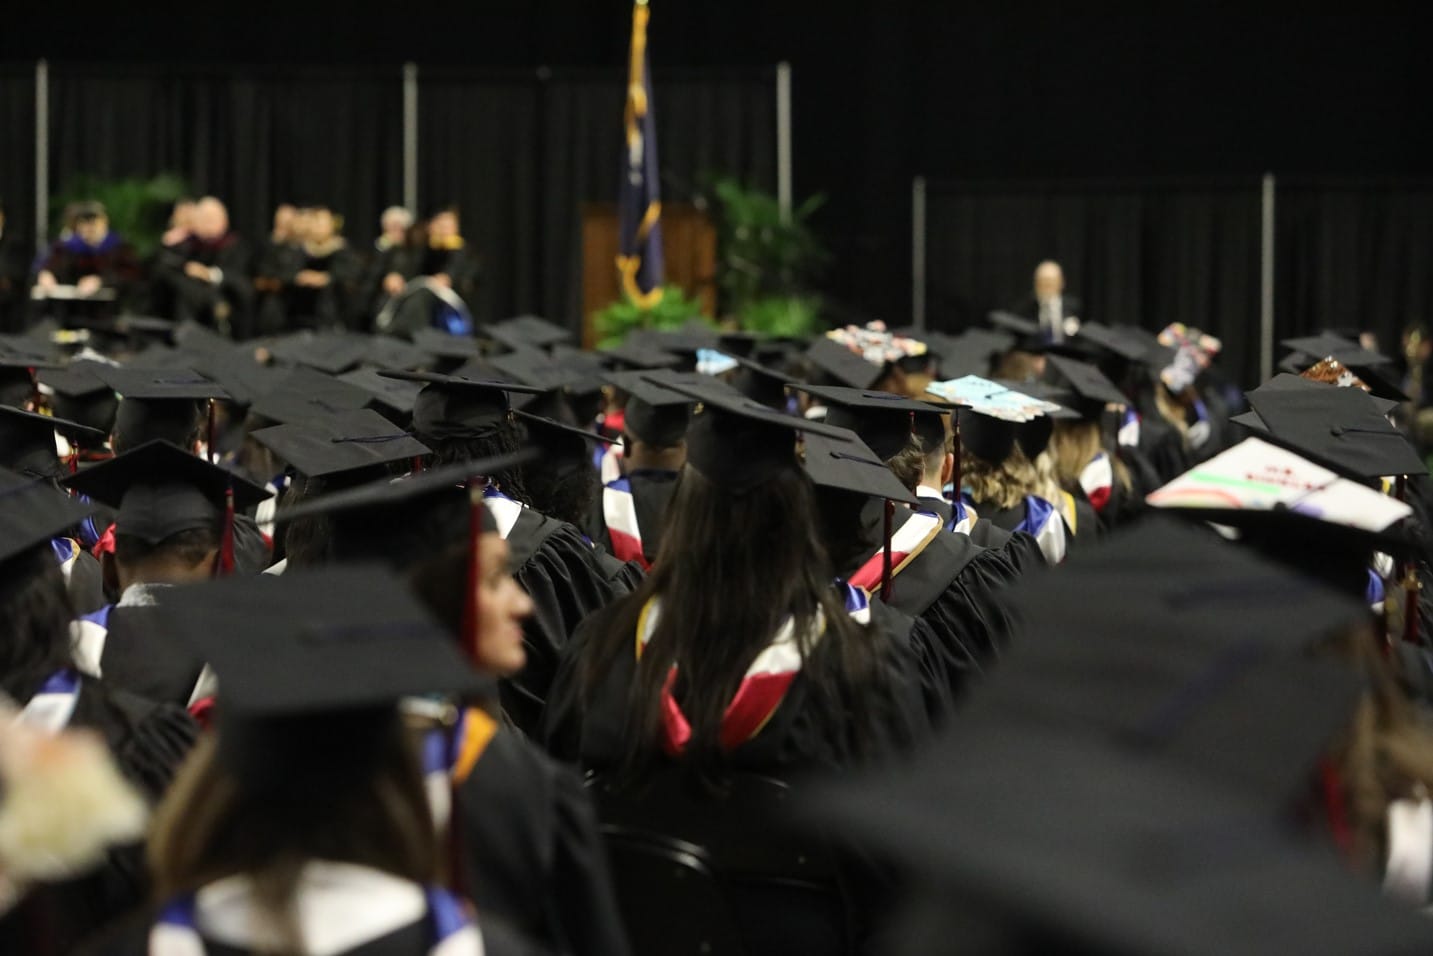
(225, 565)
(471, 605)
(417, 464)
(213, 454)
(1335, 806)
(955, 446)
(886, 552)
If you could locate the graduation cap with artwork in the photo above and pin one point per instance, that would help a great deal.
(311, 668)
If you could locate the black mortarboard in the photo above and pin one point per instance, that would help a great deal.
(986, 437)
(654, 414)
(451, 406)
(1319, 346)
(341, 442)
(392, 397)
(32, 512)
(973, 352)
(199, 338)
(160, 490)
(842, 366)
(386, 351)
(78, 395)
(1091, 389)
(561, 445)
(329, 353)
(305, 394)
(528, 331)
(311, 666)
(1374, 369)
(881, 419)
(631, 355)
(1287, 381)
(1018, 325)
(155, 385)
(740, 444)
(444, 345)
(1128, 858)
(1339, 427)
(27, 440)
(1117, 341)
(760, 383)
(847, 464)
(530, 366)
(740, 344)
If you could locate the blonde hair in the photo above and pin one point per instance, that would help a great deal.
(1002, 485)
(1074, 444)
(208, 828)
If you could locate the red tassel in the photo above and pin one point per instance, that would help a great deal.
(955, 445)
(886, 553)
(225, 565)
(1334, 806)
(417, 464)
(471, 605)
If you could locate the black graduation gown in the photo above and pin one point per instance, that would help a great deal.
(950, 584)
(329, 305)
(141, 658)
(651, 493)
(560, 571)
(802, 734)
(148, 741)
(1020, 549)
(535, 857)
(86, 584)
(1087, 523)
(1163, 447)
(190, 298)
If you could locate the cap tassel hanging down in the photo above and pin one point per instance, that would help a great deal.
(890, 511)
(955, 445)
(225, 565)
(471, 605)
(210, 452)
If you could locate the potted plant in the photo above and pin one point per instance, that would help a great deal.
(768, 263)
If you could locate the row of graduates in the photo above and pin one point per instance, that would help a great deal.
(304, 274)
(817, 625)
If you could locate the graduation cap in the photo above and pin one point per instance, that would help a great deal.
(159, 491)
(632, 355)
(18, 359)
(973, 352)
(305, 394)
(78, 395)
(196, 337)
(386, 351)
(446, 346)
(327, 353)
(1016, 325)
(1338, 427)
(32, 512)
(529, 331)
(1123, 857)
(563, 446)
(1373, 369)
(655, 415)
(843, 366)
(311, 667)
(848, 464)
(1089, 390)
(27, 440)
(1320, 345)
(451, 406)
(392, 397)
(1292, 510)
(760, 383)
(738, 443)
(539, 370)
(348, 441)
(881, 419)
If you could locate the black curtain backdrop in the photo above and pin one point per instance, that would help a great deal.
(17, 149)
(1353, 254)
(518, 152)
(1141, 252)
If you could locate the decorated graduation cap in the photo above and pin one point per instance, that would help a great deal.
(529, 331)
(1341, 428)
(1292, 510)
(1133, 857)
(990, 414)
(311, 667)
(344, 442)
(452, 406)
(740, 444)
(32, 512)
(1357, 366)
(77, 394)
(27, 440)
(881, 419)
(159, 491)
(654, 415)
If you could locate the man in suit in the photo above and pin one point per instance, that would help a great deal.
(1050, 305)
(207, 274)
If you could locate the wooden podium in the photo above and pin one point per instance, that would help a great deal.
(688, 240)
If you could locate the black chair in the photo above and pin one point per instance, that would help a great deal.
(720, 874)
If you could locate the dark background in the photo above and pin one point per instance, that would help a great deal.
(1130, 94)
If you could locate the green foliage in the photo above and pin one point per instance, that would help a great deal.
(620, 318)
(768, 265)
(138, 208)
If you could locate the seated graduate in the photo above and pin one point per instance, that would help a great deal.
(75, 394)
(321, 292)
(629, 518)
(383, 276)
(531, 849)
(27, 447)
(444, 256)
(462, 419)
(302, 825)
(1033, 440)
(740, 650)
(147, 739)
(1086, 463)
(174, 524)
(205, 276)
(92, 258)
(1001, 483)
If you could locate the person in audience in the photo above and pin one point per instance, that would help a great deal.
(181, 222)
(92, 260)
(320, 294)
(1050, 305)
(206, 275)
(274, 269)
(384, 277)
